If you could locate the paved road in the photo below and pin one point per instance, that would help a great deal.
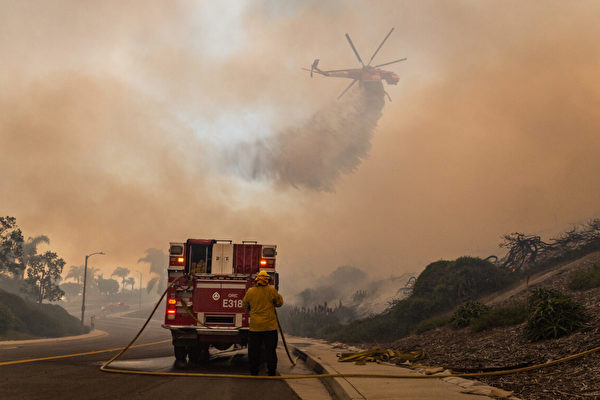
(80, 378)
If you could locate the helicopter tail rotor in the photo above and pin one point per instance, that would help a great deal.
(314, 66)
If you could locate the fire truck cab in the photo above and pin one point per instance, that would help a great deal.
(209, 279)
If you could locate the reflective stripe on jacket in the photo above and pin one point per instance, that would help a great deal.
(262, 300)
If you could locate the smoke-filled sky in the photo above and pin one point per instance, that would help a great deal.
(126, 125)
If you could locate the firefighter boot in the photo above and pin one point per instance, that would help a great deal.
(180, 357)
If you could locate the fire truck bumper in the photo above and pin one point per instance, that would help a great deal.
(191, 329)
(196, 335)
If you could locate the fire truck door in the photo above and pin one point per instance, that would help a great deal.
(222, 259)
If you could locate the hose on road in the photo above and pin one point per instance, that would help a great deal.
(104, 367)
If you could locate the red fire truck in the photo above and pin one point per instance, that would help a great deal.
(204, 305)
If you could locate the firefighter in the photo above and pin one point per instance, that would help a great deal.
(261, 301)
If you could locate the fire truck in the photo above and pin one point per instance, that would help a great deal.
(208, 279)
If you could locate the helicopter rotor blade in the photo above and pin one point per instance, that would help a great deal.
(347, 88)
(341, 70)
(391, 62)
(354, 49)
(376, 51)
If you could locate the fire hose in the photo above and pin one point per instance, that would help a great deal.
(104, 367)
(283, 340)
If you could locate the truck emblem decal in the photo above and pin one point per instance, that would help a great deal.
(216, 296)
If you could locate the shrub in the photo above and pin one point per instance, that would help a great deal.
(552, 315)
(319, 321)
(466, 313)
(463, 279)
(511, 314)
(367, 330)
(432, 323)
(415, 309)
(585, 279)
(6, 318)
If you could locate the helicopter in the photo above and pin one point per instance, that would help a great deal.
(366, 74)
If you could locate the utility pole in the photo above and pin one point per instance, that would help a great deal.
(84, 284)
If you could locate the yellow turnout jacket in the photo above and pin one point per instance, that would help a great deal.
(261, 301)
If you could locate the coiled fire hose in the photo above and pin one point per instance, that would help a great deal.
(104, 367)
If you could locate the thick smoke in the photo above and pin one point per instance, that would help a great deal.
(314, 155)
(110, 111)
(353, 287)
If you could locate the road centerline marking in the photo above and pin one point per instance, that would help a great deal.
(30, 360)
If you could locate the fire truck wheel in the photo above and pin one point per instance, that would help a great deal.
(199, 354)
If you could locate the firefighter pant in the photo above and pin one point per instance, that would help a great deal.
(256, 342)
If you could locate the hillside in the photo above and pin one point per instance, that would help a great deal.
(23, 319)
(501, 347)
(441, 286)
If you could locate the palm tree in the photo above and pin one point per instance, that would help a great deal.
(75, 272)
(30, 250)
(158, 265)
(91, 274)
(122, 273)
(130, 281)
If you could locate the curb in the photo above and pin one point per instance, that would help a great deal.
(93, 334)
(341, 389)
(338, 388)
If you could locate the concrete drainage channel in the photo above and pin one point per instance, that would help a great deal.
(341, 388)
(333, 386)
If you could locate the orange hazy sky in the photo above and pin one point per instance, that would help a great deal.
(118, 120)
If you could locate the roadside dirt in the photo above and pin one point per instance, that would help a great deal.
(508, 348)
